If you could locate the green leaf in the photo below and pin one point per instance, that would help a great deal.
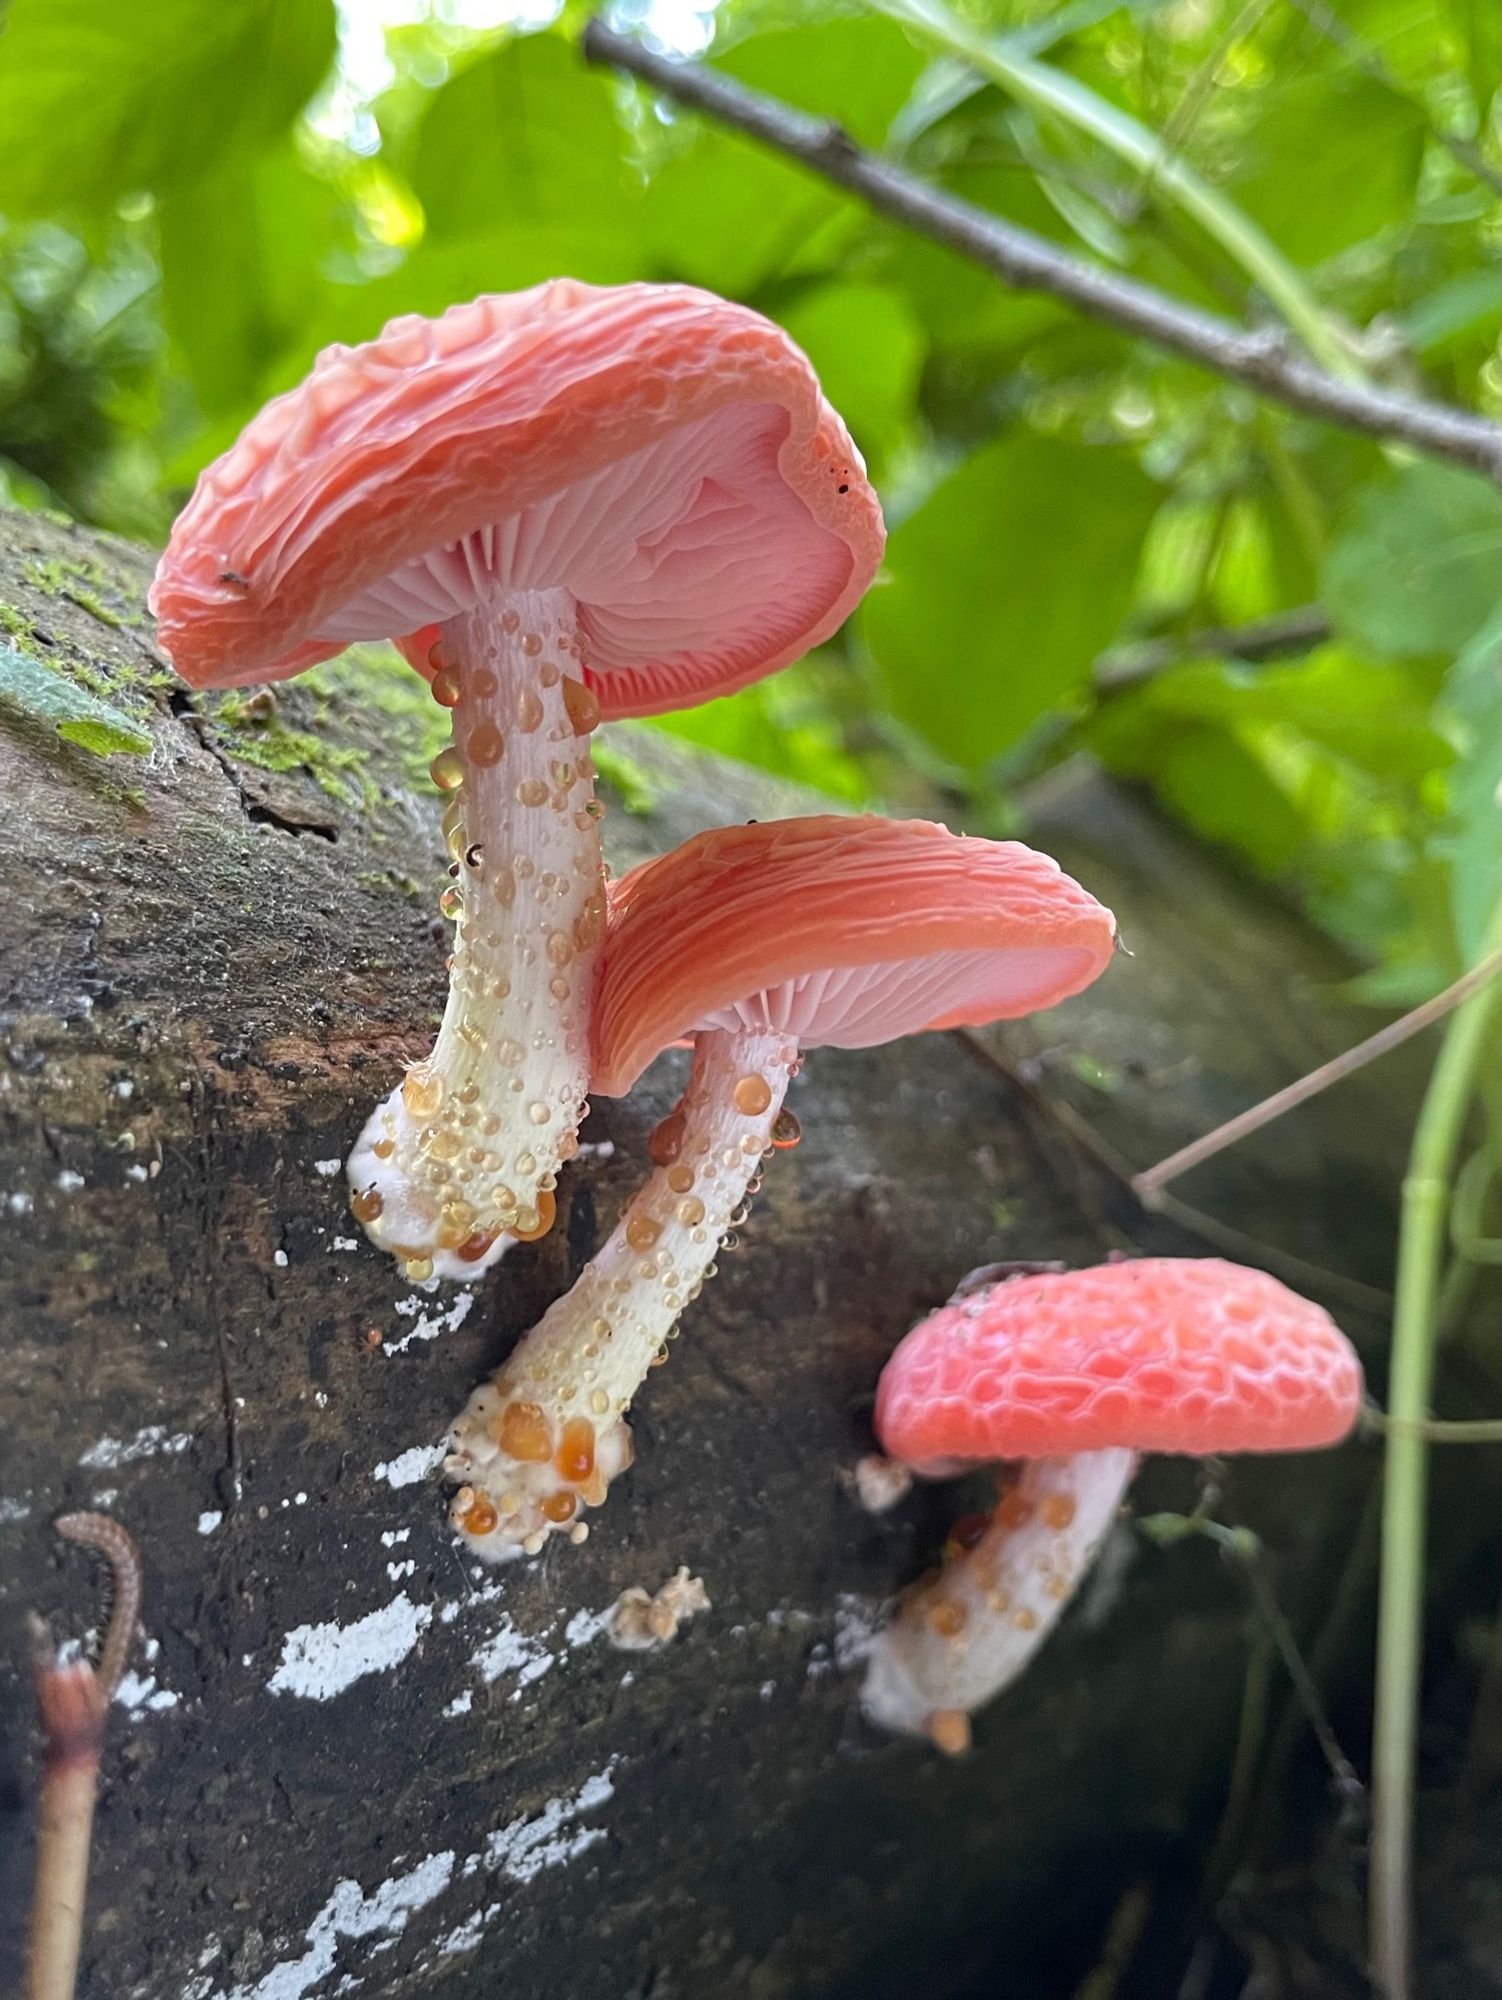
(1414, 567)
(726, 213)
(1372, 715)
(528, 135)
(1004, 586)
(867, 348)
(781, 725)
(78, 717)
(1332, 160)
(100, 98)
(1472, 841)
(236, 299)
(857, 69)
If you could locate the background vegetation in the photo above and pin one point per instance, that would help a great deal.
(1088, 535)
(1289, 633)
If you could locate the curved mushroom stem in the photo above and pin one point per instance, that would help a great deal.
(467, 1149)
(962, 1635)
(544, 1437)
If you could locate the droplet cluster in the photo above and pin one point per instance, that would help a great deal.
(543, 1439)
(468, 1150)
(967, 1631)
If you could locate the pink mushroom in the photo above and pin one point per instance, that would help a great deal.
(1076, 1373)
(575, 502)
(759, 942)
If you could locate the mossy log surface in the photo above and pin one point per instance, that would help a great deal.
(215, 959)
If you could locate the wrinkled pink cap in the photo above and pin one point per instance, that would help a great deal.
(839, 933)
(1174, 1354)
(662, 454)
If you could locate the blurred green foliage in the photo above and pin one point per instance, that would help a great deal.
(196, 196)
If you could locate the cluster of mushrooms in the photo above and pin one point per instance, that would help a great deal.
(578, 503)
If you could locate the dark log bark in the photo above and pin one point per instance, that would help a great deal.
(211, 970)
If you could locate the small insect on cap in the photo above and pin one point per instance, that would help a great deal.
(664, 456)
(1170, 1354)
(839, 933)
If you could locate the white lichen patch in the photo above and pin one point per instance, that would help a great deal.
(586, 1626)
(140, 1694)
(154, 1441)
(518, 1852)
(326, 1169)
(461, 1704)
(410, 1466)
(348, 1914)
(13, 1509)
(320, 1661)
(855, 1624)
(209, 1520)
(509, 1651)
(428, 1326)
(522, 1849)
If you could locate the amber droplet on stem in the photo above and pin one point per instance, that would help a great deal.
(582, 705)
(947, 1618)
(786, 1131)
(422, 1092)
(666, 1140)
(522, 1432)
(479, 1517)
(474, 1247)
(751, 1096)
(949, 1731)
(445, 687)
(485, 745)
(447, 769)
(1056, 1510)
(559, 1506)
(575, 1457)
(547, 1212)
(367, 1205)
(642, 1232)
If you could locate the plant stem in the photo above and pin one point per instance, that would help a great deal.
(1148, 1186)
(1050, 90)
(1260, 358)
(1400, 1603)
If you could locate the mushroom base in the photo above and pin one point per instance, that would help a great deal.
(465, 1153)
(962, 1635)
(539, 1443)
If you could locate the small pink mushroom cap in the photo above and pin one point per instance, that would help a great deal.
(1168, 1354)
(663, 455)
(838, 933)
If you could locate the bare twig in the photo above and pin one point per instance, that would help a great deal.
(1265, 361)
(1284, 634)
(1148, 1186)
(73, 1699)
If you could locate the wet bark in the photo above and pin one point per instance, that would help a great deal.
(212, 969)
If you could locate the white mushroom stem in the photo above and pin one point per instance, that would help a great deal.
(467, 1149)
(543, 1439)
(959, 1637)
